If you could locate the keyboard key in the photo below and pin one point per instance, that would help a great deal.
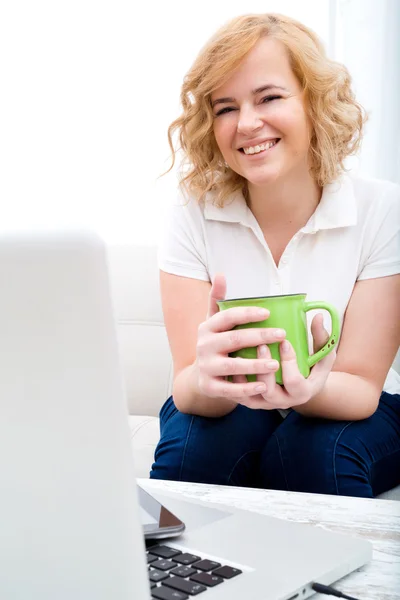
(152, 585)
(164, 593)
(156, 575)
(182, 585)
(207, 579)
(226, 572)
(163, 564)
(183, 571)
(164, 551)
(151, 558)
(206, 565)
(186, 558)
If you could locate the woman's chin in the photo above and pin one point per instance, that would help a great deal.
(267, 177)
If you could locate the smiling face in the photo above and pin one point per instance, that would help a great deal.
(260, 122)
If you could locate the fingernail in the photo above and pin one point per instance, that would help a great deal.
(278, 333)
(263, 350)
(285, 346)
(263, 312)
(272, 364)
(260, 388)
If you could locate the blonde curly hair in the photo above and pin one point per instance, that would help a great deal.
(336, 117)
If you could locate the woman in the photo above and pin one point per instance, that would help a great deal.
(267, 122)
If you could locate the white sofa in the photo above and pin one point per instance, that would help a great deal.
(144, 350)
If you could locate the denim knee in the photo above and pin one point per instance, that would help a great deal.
(174, 430)
(301, 455)
(367, 455)
(351, 458)
(223, 450)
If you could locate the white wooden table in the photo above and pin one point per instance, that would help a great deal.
(375, 520)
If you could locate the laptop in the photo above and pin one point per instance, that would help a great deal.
(70, 517)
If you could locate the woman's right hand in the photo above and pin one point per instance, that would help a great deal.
(217, 338)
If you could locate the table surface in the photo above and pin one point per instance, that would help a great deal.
(375, 520)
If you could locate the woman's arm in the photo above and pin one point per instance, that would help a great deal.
(185, 304)
(368, 345)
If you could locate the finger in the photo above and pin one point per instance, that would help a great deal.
(221, 388)
(256, 402)
(217, 292)
(229, 341)
(264, 353)
(319, 333)
(321, 369)
(221, 366)
(237, 315)
(320, 337)
(294, 382)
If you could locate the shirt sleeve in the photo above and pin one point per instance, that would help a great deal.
(182, 249)
(383, 258)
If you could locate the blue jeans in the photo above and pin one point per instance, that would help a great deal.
(258, 448)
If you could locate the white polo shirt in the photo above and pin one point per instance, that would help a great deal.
(354, 234)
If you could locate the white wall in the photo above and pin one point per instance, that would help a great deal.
(90, 89)
(367, 41)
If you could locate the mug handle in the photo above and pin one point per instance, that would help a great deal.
(333, 340)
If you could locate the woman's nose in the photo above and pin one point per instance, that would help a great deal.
(249, 121)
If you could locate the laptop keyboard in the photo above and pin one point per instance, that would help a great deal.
(177, 575)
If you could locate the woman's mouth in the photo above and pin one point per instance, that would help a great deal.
(260, 148)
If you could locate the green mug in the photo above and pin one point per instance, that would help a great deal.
(287, 312)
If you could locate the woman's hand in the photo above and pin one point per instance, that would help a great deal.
(296, 389)
(216, 340)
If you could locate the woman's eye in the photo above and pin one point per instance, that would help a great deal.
(224, 110)
(228, 109)
(269, 98)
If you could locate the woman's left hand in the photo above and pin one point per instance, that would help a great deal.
(296, 389)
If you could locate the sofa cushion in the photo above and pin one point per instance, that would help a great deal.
(145, 433)
(147, 370)
(393, 494)
(143, 343)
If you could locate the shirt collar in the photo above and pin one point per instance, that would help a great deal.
(337, 208)
(235, 210)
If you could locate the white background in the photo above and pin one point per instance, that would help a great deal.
(88, 90)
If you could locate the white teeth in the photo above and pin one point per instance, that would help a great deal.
(259, 148)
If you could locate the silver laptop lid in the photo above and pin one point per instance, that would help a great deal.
(69, 516)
